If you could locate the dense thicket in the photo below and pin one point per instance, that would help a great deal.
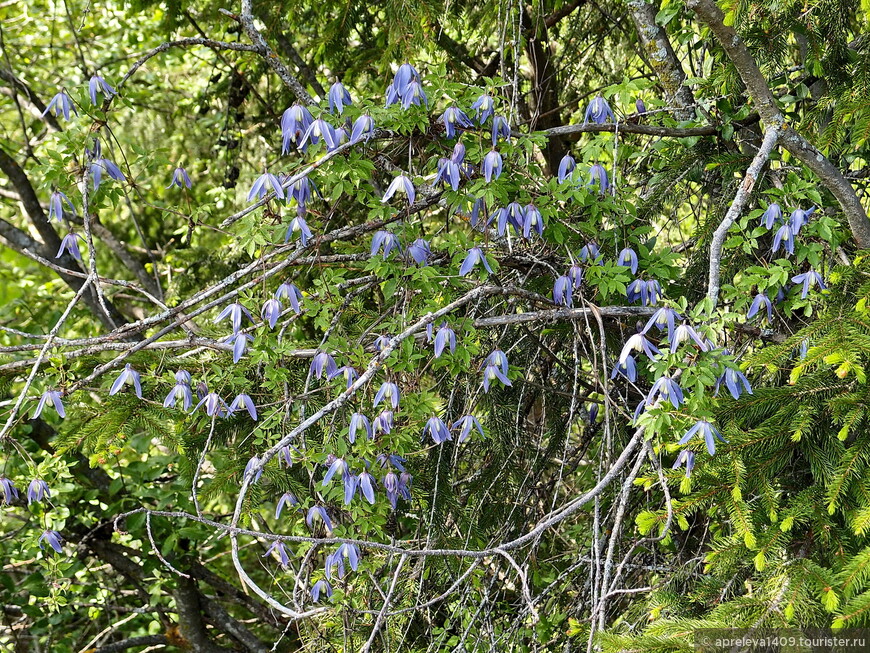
(432, 326)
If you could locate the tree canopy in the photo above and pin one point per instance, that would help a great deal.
(432, 326)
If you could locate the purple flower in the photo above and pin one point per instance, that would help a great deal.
(97, 168)
(180, 178)
(127, 375)
(239, 341)
(235, 312)
(214, 405)
(321, 586)
(628, 258)
(298, 224)
(349, 552)
(321, 364)
(598, 175)
(317, 130)
(710, 433)
(181, 390)
(70, 244)
(436, 428)
(589, 252)
(534, 221)
(271, 312)
(243, 400)
(287, 499)
(663, 317)
(404, 76)
(666, 389)
(381, 342)
(366, 484)
(761, 300)
(391, 459)
(262, 184)
(475, 255)
(277, 547)
(686, 332)
(637, 291)
(392, 97)
(448, 173)
(414, 94)
(98, 84)
(55, 205)
(383, 422)
(799, 218)
(405, 480)
(454, 118)
(391, 488)
(562, 291)
(52, 396)
(478, 208)
(444, 338)
(575, 274)
(484, 107)
(61, 104)
(338, 97)
(363, 127)
(500, 129)
(287, 455)
(294, 122)
(400, 184)
(337, 466)
(386, 241)
(491, 372)
(772, 215)
(358, 420)
(809, 279)
(626, 367)
(654, 291)
(686, 458)
(292, 293)
(465, 425)
(492, 165)
(639, 106)
(300, 190)
(735, 381)
(315, 513)
(253, 468)
(349, 373)
(37, 491)
(9, 490)
(388, 392)
(598, 112)
(784, 237)
(420, 252)
(566, 167)
(592, 413)
(638, 342)
(53, 538)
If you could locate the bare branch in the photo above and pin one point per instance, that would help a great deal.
(734, 211)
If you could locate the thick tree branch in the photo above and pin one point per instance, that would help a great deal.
(133, 642)
(661, 56)
(736, 208)
(711, 15)
(188, 604)
(50, 240)
(304, 69)
(544, 96)
(246, 19)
